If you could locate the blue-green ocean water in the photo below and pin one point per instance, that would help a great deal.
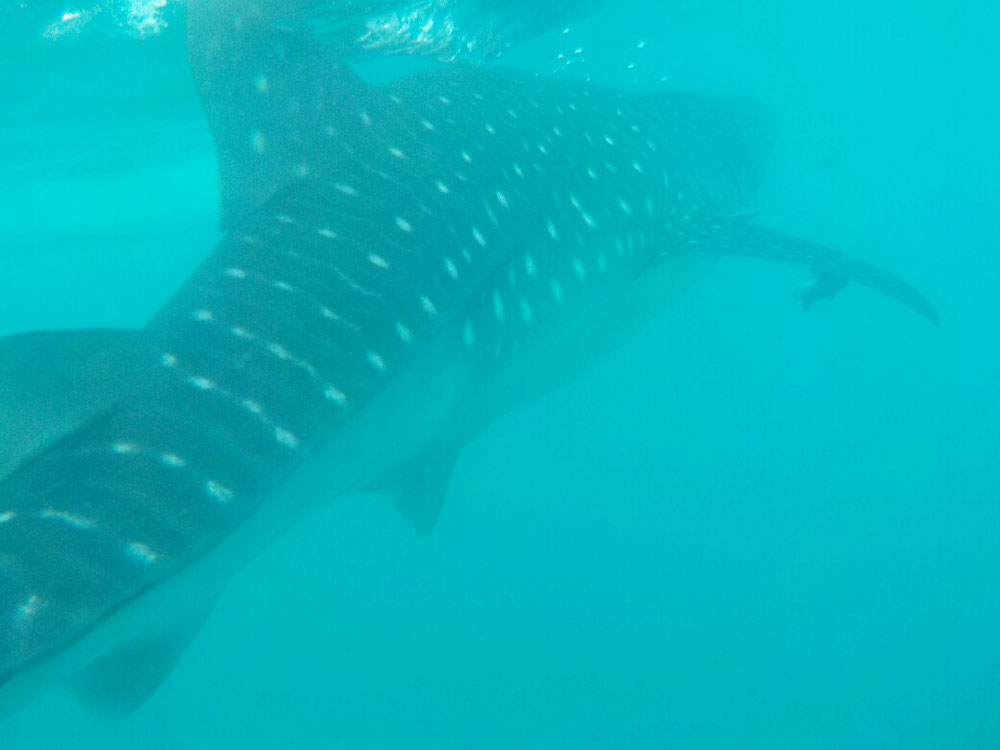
(754, 527)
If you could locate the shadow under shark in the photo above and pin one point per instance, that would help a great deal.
(400, 266)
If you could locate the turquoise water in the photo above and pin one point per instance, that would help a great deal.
(753, 527)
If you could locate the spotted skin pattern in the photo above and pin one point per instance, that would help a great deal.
(364, 225)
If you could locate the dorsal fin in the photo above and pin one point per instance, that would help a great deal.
(53, 382)
(723, 145)
(273, 96)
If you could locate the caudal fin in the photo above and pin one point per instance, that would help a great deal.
(833, 270)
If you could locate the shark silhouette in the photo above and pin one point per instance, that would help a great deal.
(400, 265)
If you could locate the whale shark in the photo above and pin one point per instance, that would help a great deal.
(400, 265)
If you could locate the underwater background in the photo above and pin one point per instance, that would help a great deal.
(752, 527)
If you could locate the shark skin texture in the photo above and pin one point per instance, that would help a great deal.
(400, 266)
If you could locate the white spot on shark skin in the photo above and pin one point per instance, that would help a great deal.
(478, 236)
(7, 516)
(376, 361)
(284, 219)
(335, 395)
(502, 199)
(173, 461)
(468, 333)
(366, 119)
(377, 260)
(397, 153)
(77, 522)
(168, 360)
(283, 286)
(553, 232)
(490, 129)
(498, 310)
(404, 333)
(518, 171)
(286, 438)
(637, 166)
(241, 333)
(467, 157)
(218, 492)
(278, 350)
(444, 100)
(592, 173)
(201, 383)
(427, 305)
(625, 206)
(529, 266)
(203, 315)
(345, 188)
(492, 216)
(123, 449)
(427, 125)
(327, 233)
(579, 269)
(258, 143)
(442, 188)
(329, 314)
(261, 83)
(29, 608)
(141, 552)
(451, 268)
(236, 273)
(526, 312)
(403, 224)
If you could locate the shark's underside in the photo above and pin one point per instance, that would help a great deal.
(400, 265)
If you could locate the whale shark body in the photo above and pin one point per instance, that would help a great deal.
(400, 265)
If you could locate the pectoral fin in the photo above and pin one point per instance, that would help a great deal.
(53, 382)
(122, 680)
(419, 487)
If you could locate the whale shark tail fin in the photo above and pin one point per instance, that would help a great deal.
(833, 270)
